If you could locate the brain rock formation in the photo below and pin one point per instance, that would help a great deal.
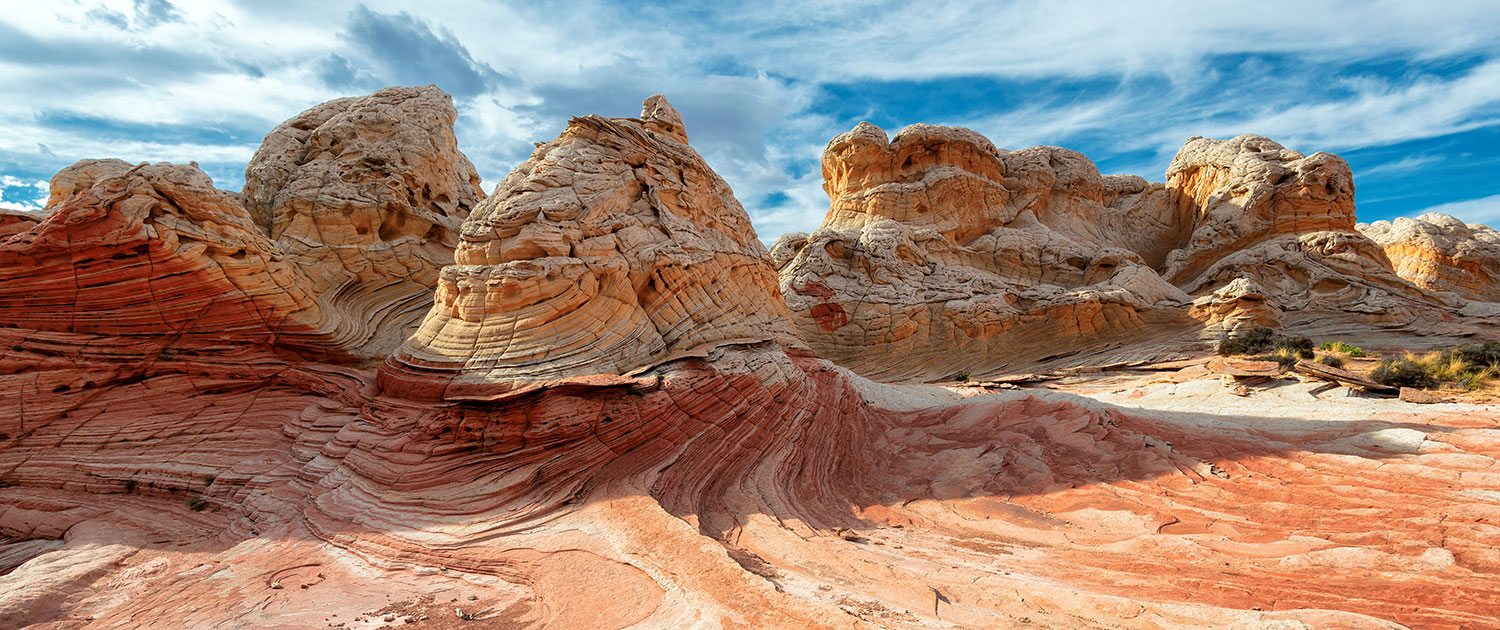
(612, 248)
(942, 254)
(607, 419)
(366, 196)
(937, 244)
(1440, 253)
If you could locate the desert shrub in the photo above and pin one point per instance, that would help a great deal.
(1345, 348)
(1468, 366)
(1485, 354)
(1285, 357)
(197, 504)
(961, 376)
(1264, 340)
(1332, 361)
(1407, 371)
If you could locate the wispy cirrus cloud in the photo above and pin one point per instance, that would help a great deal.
(762, 87)
(1484, 210)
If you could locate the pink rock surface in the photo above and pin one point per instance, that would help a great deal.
(163, 473)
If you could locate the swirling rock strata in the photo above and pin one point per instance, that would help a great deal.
(711, 480)
(366, 196)
(1238, 305)
(153, 250)
(940, 253)
(1442, 254)
(613, 247)
(1287, 221)
(943, 255)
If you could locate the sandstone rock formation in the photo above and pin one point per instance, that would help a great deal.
(614, 247)
(1241, 304)
(606, 422)
(943, 255)
(366, 195)
(1442, 254)
(153, 250)
(353, 206)
(1267, 213)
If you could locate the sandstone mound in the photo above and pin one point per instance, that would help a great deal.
(366, 196)
(942, 255)
(606, 423)
(349, 211)
(153, 250)
(614, 247)
(1442, 254)
(940, 252)
(1263, 212)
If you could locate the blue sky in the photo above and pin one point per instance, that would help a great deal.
(1407, 92)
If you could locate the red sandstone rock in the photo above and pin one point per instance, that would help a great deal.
(1442, 254)
(941, 253)
(159, 476)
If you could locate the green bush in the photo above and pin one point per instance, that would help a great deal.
(961, 376)
(197, 504)
(1485, 354)
(1406, 371)
(1339, 346)
(1284, 357)
(1264, 340)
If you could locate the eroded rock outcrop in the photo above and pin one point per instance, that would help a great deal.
(1264, 212)
(614, 247)
(944, 255)
(1443, 254)
(1241, 304)
(154, 250)
(366, 196)
(677, 461)
(941, 253)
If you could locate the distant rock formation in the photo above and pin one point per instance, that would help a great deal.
(1267, 213)
(943, 255)
(1442, 254)
(941, 252)
(614, 247)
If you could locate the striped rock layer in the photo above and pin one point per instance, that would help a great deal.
(943, 255)
(678, 461)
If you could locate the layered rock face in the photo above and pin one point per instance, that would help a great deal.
(153, 250)
(1241, 304)
(614, 247)
(605, 422)
(330, 254)
(366, 195)
(940, 251)
(1266, 213)
(941, 254)
(1442, 254)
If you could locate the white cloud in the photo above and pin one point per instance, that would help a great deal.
(1402, 167)
(747, 76)
(22, 194)
(1484, 210)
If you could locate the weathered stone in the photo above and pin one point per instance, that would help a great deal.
(1442, 254)
(607, 423)
(366, 195)
(613, 248)
(941, 253)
